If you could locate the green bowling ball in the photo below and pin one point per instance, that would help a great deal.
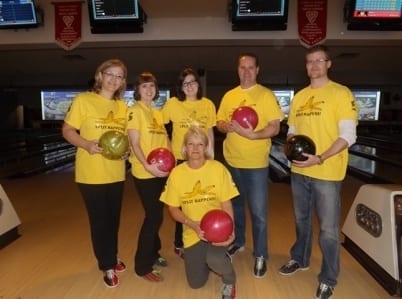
(114, 143)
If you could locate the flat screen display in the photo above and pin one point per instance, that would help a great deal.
(112, 16)
(16, 14)
(115, 10)
(259, 14)
(164, 94)
(368, 104)
(55, 103)
(284, 97)
(377, 9)
(380, 15)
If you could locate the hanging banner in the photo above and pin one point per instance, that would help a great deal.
(312, 21)
(67, 24)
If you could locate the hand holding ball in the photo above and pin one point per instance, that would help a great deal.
(245, 114)
(217, 226)
(114, 144)
(163, 157)
(297, 145)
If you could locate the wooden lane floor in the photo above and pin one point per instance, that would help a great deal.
(53, 257)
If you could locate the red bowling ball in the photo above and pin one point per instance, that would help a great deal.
(163, 157)
(217, 226)
(245, 114)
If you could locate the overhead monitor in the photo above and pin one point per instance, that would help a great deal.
(55, 103)
(252, 15)
(158, 103)
(15, 14)
(368, 104)
(284, 97)
(374, 15)
(111, 16)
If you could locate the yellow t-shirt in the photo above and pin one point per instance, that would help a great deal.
(184, 114)
(198, 191)
(149, 123)
(241, 152)
(317, 113)
(92, 115)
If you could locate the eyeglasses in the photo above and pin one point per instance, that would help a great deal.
(111, 75)
(320, 60)
(189, 83)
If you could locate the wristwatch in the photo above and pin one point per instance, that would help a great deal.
(320, 158)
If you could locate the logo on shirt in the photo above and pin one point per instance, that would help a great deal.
(110, 122)
(199, 194)
(311, 107)
(193, 120)
(198, 190)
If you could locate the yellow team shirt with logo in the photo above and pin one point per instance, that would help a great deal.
(149, 123)
(198, 191)
(93, 115)
(184, 114)
(317, 113)
(241, 152)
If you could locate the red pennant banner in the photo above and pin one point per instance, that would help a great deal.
(67, 24)
(312, 21)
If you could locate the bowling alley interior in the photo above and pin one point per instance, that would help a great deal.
(49, 52)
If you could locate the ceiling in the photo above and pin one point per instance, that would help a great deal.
(357, 62)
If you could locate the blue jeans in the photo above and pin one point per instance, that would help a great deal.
(323, 197)
(253, 186)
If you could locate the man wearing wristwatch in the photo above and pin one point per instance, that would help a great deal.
(326, 112)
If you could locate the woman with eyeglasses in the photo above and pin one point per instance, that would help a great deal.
(188, 109)
(100, 180)
(146, 132)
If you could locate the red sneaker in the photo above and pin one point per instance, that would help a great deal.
(179, 251)
(110, 278)
(228, 291)
(120, 267)
(153, 276)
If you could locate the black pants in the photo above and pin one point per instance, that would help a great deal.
(149, 243)
(103, 204)
(178, 234)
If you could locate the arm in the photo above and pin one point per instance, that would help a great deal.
(347, 136)
(178, 215)
(71, 135)
(270, 130)
(211, 140)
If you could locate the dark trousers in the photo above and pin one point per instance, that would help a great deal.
(202, 258)
(178, 234)
(103, 204)
(149, 243)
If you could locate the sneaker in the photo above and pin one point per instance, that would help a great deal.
(179, 251)
(120, 267)
(291, 267)
(235, 248)
(324, 291)
(110, 278)
(160, 261)
(228, 291)
(153, 276)
(260, 267)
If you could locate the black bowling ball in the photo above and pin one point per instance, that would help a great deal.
(297, 145)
